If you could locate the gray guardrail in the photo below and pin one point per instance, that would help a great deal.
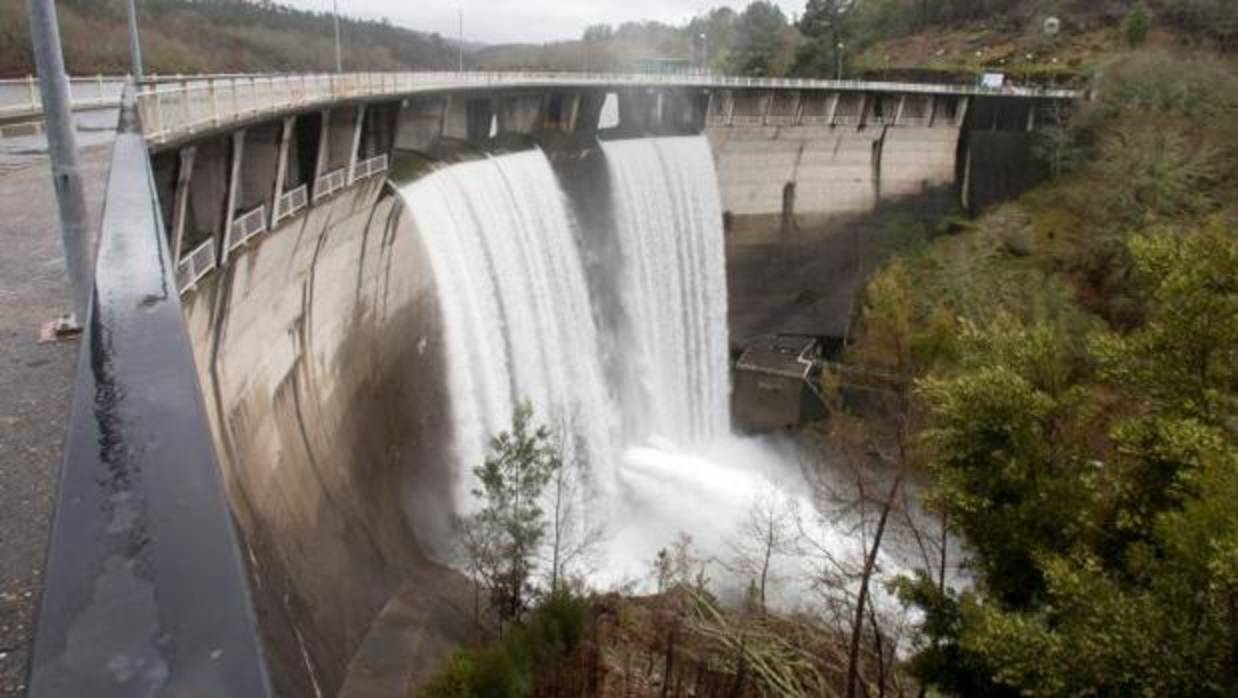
(145, 590)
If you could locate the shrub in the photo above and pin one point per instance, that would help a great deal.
(509, 668)
(1136, 26)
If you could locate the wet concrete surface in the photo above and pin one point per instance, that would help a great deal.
(35, 382)
(799, 286)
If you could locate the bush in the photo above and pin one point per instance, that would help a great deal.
(1136, 26)
(509, 668)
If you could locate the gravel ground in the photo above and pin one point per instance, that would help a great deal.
(35, 384)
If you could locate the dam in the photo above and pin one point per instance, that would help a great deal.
(317, 297)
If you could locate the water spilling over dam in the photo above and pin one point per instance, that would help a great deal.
(630, 371)
(521, 322)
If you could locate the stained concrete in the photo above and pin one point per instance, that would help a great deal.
(35, 384)
(320, 357)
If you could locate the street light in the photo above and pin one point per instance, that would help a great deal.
(704, 52)
(135, 43)
(460, 40)
(339, 56)
(839, 55)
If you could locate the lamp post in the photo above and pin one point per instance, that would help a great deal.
(460, 40)
(135, 42)
(339, 55)
(62, 149)
(839, 55)
(704, 53)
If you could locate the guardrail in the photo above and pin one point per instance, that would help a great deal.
(146, 590)
(20, 98)
(173, 109)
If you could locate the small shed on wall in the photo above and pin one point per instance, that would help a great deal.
(776, 383)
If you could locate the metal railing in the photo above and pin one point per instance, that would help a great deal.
(195, 265)
(246, 226)
(172, 109)
(290, 202)
(19, 98)
(330, 183)
(368, 167)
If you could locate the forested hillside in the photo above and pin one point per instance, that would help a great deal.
(952, 39)
(1071, 363)
(217, 36)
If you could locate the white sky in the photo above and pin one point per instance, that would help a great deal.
(531, 21)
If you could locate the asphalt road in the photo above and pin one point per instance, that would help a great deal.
(35, 381)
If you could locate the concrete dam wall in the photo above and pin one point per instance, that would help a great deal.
(322, 354)
(318, 311)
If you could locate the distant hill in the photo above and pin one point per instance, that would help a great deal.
(913, 39)
(218, 36)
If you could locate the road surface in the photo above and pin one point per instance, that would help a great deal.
(35, 380)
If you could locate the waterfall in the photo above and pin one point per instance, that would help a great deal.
(515, 306)
(669, 222)
(652, 439)
(521, 322)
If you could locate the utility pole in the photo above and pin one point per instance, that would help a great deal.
(339, 55)
(135, 42)
(460, 40)
(62, 149)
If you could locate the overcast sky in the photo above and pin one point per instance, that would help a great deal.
(504, 21)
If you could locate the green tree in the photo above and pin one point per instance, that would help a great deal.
(1108, 567)
(760, 40)
(501, 541)
(826, 27)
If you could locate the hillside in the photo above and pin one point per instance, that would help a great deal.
(217, 36)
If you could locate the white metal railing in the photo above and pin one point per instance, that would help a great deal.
(245, 227)
(22, 98)
(290, 202)
(369, 166)
(330, 183)
(195, 265)
(176, 108)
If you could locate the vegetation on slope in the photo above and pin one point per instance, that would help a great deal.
(892, 38)
(1079, 421)
(217, 36)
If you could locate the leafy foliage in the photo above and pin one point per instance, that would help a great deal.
(501, 541)
(1081, 408)
(1136, 26)
(510, 667)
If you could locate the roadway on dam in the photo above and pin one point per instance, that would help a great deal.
(35, 379)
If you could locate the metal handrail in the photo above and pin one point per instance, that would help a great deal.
(21, 97)
(172, 109)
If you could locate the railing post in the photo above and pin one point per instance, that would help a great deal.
(99, 84)
(214, 101)
(154, 88)
(34, 93)
(185, 115)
